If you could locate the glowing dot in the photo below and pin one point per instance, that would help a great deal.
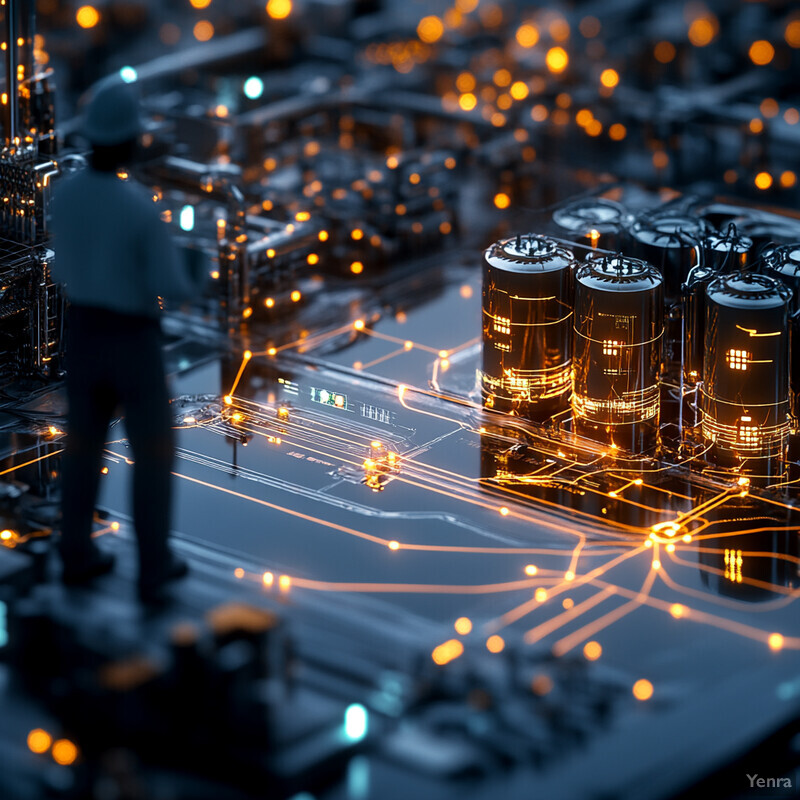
(128, 74)
(272, 351)
(430, 29)
(279, 9)
(687, 537)
(642, 689)
(39, 741)
(761, 52)
(531, 569)
(617, 132)
(200, 3)
(788, 179)
(592, 651)
(465, 82)
(203, 31)
(664, 52)
(502, 200)
(540, 595)
(447, 652)
(495, 644)
(504, 511)
(569, 575)
(268, 579)
(502, 77)
(648, 543)
(677, 610)
(312, 259)
(64, 752)
(656, 564)
(463, 625)
(295, 296)
(356, 268)
(284, 582)
(775, 641)
(394, 545)
(359, 324)
(557, 59)
(269, 302)
(356, 722)
(702, 31)
(238, 572)
(408, 345)
(115, 526)
(467, 101)
(568, 603)
(253, 87)
(792, 33)
(609, 78)
(763, 180)
(527, 35)
(87, 16)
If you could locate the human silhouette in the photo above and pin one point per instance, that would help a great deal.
(116, 259)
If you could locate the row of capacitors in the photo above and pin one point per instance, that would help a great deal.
(680, 308)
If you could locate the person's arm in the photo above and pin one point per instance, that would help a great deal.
(167, 275)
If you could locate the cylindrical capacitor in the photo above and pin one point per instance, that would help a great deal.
(745, 397)
(727, 252)
(783, 262)
(619, 324)
(595, 221)
(670, 244)
(694, 321)
(527, 326)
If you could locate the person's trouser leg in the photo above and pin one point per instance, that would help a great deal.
(91, 404)
(149, 428)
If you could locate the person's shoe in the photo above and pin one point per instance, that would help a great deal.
(157, 593)
(99, 563)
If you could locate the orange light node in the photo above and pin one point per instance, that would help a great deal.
(642, 689)
(463, 625)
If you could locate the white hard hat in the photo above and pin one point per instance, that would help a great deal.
(112, 116)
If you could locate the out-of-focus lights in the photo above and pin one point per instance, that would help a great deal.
(527, 35)
(643, 689)
(253, 87)
(502, 200)
(664, 52)
(467, 101)
(203, 30)
(447, 651)
(356, 722)
(430, 29)
(609, 78)
(775, 641)
(761, 52)
(702, 31)
(186, 218)
(64, 752)
(495, 644)
(592, 651)
(763, 180)
(792, 33)
(279, 9)
(557, 59)
(39, 741)
(128, 74)
(87, 16)
(463, 625)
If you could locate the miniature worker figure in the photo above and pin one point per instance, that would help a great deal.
(116, 258)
